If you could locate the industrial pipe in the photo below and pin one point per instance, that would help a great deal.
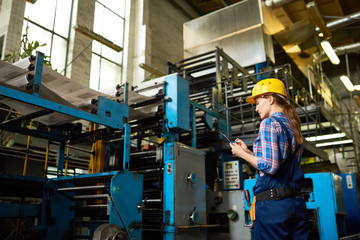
(342, 22)
(276, 3)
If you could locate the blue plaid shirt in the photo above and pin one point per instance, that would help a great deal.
(272, 146)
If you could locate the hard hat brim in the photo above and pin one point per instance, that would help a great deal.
(251, 99)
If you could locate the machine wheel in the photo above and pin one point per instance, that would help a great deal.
(109, 231)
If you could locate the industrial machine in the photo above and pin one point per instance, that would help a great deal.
(153, 193)
(172, 176)
(351, 184)
(62, 208)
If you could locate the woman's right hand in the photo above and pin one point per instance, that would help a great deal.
(243, 146)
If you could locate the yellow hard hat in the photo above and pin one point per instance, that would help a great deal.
(269, 85)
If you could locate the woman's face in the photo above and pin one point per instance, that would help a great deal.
(263, 106)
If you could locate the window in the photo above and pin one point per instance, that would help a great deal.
(51, 28)
(106, 63)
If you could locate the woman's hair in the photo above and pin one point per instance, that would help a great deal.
(292, 116)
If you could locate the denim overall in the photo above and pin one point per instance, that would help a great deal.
(285, 218)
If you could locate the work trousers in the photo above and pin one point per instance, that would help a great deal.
(281, 219)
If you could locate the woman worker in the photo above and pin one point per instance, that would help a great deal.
(279, 213)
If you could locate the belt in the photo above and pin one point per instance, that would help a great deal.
(277, 193)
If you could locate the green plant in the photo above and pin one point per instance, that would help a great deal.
(27, 49)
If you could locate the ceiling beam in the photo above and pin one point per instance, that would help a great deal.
(317, 19)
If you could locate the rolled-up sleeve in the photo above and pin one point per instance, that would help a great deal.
(268, 159)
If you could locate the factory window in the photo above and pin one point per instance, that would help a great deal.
(51, 28)
(106, 63)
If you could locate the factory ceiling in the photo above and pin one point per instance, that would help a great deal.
(295, 25)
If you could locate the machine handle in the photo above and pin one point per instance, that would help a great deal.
(247, 197)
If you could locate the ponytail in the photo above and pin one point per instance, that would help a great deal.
(293, 117)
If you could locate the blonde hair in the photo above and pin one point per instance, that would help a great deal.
(291, 115)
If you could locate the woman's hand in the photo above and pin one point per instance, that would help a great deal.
(239, 149)
(243, 146)
(236, 149)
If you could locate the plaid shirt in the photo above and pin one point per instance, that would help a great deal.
(272, 146)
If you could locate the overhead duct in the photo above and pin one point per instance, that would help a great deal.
(342, 22)
(277, 3)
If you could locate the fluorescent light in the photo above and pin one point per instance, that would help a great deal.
(315, 126)
(325, 137)
(334, 143)
(357, 87)
(330, 52)
(348, 84)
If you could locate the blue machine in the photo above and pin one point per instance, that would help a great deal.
(351, 184)
(79, 204)
(85, 202)
(184, 196)
(109, 113)
(325, 202)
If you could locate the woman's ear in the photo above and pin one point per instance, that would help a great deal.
(271, 99)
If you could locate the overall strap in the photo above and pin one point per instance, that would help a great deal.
(295, 166)
(286, 132)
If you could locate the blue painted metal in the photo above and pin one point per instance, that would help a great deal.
(16, 186)
(193, 125)
(327, 200)
(208, 111)
(177, 108)
(84, 176)
(169, 191)
(13, 210)
(61, 156)
(126, 189)
(56, 214)
(126, 153)
(169, 183)
(38, 73)
(259, 67)
(177, 119)
(112, 112)
(209, 120)
(101, 119)
(351, 189)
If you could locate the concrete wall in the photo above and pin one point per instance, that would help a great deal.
(80, 68)
(156, 37)
(11, 21)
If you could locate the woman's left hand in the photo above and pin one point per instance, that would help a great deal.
(237, 149)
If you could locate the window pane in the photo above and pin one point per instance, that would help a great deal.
(111, 54)
(59, 53)
(94, 74)
(110, 26)
(110, 76)
(116, 6)
(113, 31)
(63, 17)
(42, 12)
(37, 34)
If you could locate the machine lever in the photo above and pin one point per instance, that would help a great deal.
(117, 210)
(247, 197)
